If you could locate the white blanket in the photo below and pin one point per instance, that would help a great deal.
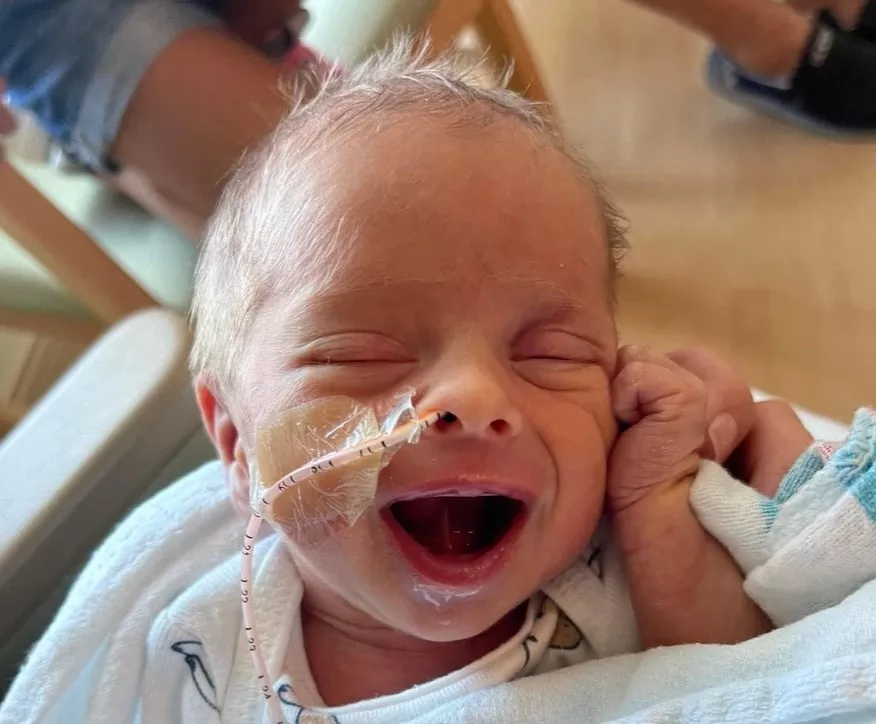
(98, 661)
(820, 669)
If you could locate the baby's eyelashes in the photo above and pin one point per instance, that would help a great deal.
(559, 360)
(552, 345)
(355, 363)
(354, 348)
(353, 359)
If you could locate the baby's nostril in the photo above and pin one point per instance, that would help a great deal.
(445, 421)
(500, 427)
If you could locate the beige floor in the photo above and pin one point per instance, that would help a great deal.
(748, 236)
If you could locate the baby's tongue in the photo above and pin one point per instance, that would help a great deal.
(445, 525)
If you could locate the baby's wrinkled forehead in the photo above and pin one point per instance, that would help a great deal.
(425, 198)
(396, 172)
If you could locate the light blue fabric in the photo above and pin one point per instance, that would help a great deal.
(855, 462)
(814, 543)
(802, 471)
(76, 63)
(851, 467)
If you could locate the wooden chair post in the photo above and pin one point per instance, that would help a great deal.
(497, 26)
(448, 19)
(76, 260)
(499, 29)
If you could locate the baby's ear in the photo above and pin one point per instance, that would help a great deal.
(224, 435)
(217, 421)
(238, 487)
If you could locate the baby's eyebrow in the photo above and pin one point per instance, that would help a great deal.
(549, 301)
(552, 292)
(552, 297)
(549, 295)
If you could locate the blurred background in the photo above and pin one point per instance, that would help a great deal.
(749, 236)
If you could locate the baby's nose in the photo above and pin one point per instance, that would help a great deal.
(475, 403)
(450, 422)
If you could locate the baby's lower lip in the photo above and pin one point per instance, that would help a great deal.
(459, 561)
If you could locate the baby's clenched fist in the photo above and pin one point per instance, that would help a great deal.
(663, 407)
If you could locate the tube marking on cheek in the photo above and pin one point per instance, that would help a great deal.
(262, 504)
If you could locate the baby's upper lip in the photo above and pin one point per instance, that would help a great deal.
(459, 486)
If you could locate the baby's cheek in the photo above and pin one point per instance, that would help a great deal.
(606, 423)
(581, 460)
(591, 408)
(599, 406)
(572, 525)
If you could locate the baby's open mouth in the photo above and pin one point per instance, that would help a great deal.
(456, 539)
(447, 525)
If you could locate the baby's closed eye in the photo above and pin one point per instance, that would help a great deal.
(353, 348)
(558, 359)
(556, 346)
(353, 363)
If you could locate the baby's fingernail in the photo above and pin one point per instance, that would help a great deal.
(722, 435)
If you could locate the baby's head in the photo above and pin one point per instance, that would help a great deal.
(405, 230)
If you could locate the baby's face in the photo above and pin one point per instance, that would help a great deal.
(471, 268)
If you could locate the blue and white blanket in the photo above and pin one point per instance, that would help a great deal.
(815, 542)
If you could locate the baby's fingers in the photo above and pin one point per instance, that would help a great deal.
(665, 409)
(648, 384)
(729, 407)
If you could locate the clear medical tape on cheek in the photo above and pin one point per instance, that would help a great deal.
(352, 442)
(311, 509)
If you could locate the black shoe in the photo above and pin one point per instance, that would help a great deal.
(833, 91)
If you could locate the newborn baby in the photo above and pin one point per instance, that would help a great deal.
(405, 232)
(417, 233)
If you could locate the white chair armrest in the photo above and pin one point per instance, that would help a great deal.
(89, 450)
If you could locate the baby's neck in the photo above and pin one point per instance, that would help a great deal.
(351, 662)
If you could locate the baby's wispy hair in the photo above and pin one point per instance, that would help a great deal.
(245, 249)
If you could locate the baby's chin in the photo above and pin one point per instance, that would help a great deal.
(444, 615)
(459, 620)
(436, 614)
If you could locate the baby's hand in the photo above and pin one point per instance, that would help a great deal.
(664, 406)
(684, 586)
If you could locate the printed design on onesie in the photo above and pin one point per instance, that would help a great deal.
(192, 654)
(302, 715)
(567, 636)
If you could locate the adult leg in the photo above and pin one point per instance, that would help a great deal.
(846, 12)
(775, 58)
(161, 89)
(762, 36)
(205, 100)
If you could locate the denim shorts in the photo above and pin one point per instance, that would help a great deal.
(76, 63)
